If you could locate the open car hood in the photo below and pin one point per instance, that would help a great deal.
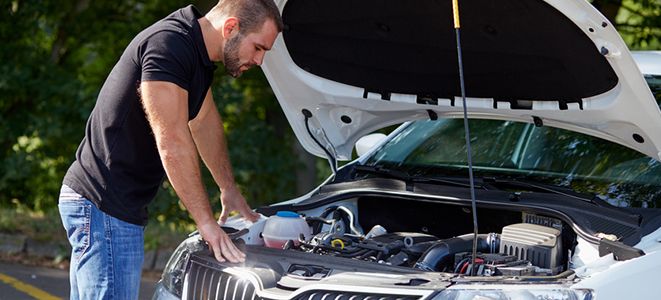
(358, 66)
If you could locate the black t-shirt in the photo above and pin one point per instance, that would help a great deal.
(117, 164)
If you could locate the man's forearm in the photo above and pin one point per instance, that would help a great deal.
(207, 131)
(181, 165)
(209, 137)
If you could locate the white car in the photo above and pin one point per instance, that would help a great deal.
(565, 135)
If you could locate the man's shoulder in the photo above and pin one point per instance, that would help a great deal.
(175, 29)
(169, 38)
(181, 22)
(162, 39)
(166, 31)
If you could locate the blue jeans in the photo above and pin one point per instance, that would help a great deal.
(107, 253)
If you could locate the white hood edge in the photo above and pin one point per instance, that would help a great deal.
(627, 114)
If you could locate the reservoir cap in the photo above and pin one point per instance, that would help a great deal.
(287, 214)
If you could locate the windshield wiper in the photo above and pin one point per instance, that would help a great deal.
(537, 187)
(405, 176)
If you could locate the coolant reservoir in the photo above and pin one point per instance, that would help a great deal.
(253, 237)
(284, 226)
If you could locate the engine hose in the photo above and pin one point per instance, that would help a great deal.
(440, 256)
(351, 220)
(461, 263)
(353, 253)
(368, 254)
(348, 218)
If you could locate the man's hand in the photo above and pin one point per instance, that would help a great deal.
(221, 245)
(232, 200)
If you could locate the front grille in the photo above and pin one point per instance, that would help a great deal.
(338, 295)
(205, 282)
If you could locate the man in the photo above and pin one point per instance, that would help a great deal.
(153, 116)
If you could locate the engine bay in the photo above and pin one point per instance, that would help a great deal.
(425, 236)
(524, 252)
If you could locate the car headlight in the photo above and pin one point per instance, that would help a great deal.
(174, 272)
(514, 293)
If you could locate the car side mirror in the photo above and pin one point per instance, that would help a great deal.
(366, 143)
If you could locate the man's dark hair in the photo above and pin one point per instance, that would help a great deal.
(251, 13)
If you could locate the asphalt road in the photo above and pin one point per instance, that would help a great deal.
(18, 282)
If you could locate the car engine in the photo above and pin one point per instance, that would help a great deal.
(520, 249)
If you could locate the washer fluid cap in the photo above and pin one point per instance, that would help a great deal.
(287, 214)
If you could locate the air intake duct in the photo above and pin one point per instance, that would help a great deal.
(440, 256)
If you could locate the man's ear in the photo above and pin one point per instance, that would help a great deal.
(230, 27)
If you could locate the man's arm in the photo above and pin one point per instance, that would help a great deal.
(208, 134)
(166, 106)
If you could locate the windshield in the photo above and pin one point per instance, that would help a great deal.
(586, 164)
(654, 81)
(619, 175)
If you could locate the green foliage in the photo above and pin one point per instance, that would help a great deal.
(38, 98)
(639, 22)
(259, 138)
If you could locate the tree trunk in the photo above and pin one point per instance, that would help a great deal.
(59, 48)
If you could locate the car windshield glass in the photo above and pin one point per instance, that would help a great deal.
(654, 82)
(548, 155)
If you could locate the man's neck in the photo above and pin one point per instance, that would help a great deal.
(212, 39)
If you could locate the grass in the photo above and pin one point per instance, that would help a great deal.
(40, 226)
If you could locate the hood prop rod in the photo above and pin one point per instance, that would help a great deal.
(455, 13)
(332, 161)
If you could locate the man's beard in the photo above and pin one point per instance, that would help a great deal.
(231, 56)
